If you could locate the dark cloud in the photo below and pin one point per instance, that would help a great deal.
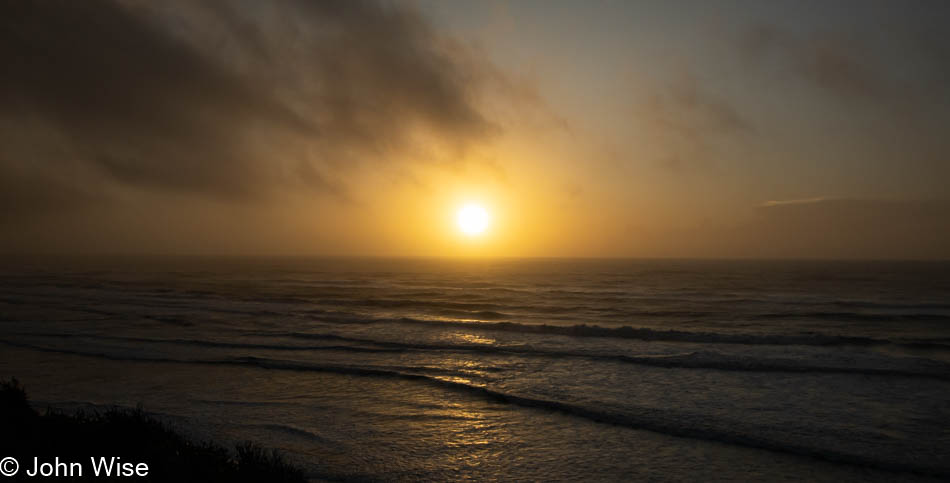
(218, 98)
(880, 79)
(851, 228)
(835, 63)
(689, 120)
(903, 62)
(694, 112)
(836, 66)
(834, 228)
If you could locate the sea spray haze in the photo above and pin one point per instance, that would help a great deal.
(508, 369)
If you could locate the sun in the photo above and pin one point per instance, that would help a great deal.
(472, 219)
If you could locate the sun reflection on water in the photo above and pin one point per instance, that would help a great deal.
(471, 338)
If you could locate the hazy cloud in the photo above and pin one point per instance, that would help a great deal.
(218, 98)
(687, 121)
(820, 228)
(685, 107)
(793, 202)
(898, 65)
(850, 228)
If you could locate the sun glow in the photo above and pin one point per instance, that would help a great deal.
(472, 219)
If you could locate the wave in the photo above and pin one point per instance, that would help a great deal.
(478, 315)
(855, 316)
(500, 311)
(290, 430)
(226, 345)
(409, 302)
(690, 360)
(891, 305)
(647, 334)
(643, 418)
(715, 360)
(253, 404)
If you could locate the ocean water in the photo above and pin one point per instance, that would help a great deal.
(437, 369)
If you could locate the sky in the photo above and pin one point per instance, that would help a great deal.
(765, 129)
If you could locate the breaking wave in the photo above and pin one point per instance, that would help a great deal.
(657, 420)
(702, 359)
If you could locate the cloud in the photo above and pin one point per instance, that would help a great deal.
(793, 202)
(689, 122)
(684, 107)
(903, 65)
(832, 228)
(850, 228)
(219, 99)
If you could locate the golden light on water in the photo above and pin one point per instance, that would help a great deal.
(473, 219)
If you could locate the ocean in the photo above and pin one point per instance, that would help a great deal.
(506, 369)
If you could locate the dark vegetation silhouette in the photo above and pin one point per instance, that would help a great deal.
(132, 435)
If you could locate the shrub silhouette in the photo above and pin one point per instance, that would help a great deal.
(131, 435)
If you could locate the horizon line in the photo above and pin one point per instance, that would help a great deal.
(6, 255)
